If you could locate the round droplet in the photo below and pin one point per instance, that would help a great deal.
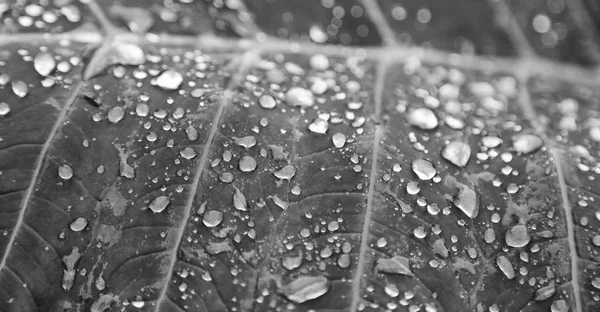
(170, 79)
(159, 204)
(317, 34)
(20, 88)
(457, 152)
(392, 290)
(297, 96)
(247, 164)
(319, 126)
(559, 306)
(339, 140)
(44, 63)
(4, 109)
(142, 109)
(412, 188)
(527, 143)
(188, 152)
(424, 169)
(267, 101)
(423, 118)
(319, 62)
(212, 218)
(518, 236)
(115, 114)
(79, 224)
(65, 172)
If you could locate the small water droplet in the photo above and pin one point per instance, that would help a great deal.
(423, 118)
(170, 79)
(457, 152)
(297, 96)
(116, 114)
(518, 236)
(212, 218)
(159, 203)
(247, 164)
(305, 288)
(44, 63)
(527, 143)
(424, 169)
(339, 140)
(65, 172)
(79, 224)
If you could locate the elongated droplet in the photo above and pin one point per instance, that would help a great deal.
(458, 153)
(506, 267)
(79, 224)
(394, 265)
(424, 169)
(339, 140)
(159, 204)
(44, 63)
(239, 201)
(20, 88)
(305, 288)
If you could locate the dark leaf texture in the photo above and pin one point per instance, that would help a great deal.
(299, 156)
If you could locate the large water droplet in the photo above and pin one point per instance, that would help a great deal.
(4, 109)
(319, 62)
(267, 101)
(559, 306)
(319, 126)
(506, 267)
(297, 96)
(527, 143)
(424, 169)
(170, 79)
(305, 288)
(339, 140)
(423, 118)
(467, 202)
(116, 114)
(518, 236)
(394, 265)
(78, 225)
(457, 152)
(44, 63)
(285, 173)
(246, 142)
(188, 152)
(247, 164)
(65, 172)
(159, 204)
(20, 88)
(239, 201)
(212, 218)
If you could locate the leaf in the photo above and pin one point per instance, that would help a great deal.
(179, 167)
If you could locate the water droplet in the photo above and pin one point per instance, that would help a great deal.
(457, 152)
(305, 288)
(392, 290)
(159, 204)
(79, 224)
(559, 306)
(212, 218)
(491, 141)
(412, 188)
(518, 236)
(4, 109)
(192, 133)
(246, 142)
(319, 126)
(317, 34)
(44, 63)
(142, 109)
(596, 283)
(423, 118)
(297, 96)
(424, 169)
(247, 164)
(527, 143)
(506, 267)
(319, 62)
(20, 88)
(394, 265)
(239, 201)
(115, 114)
(344, 261)
(285, 173)
(170, 79)
(291, 263)
(467, 202)
(339, 140)
(188, 152)
(65, 172)
(267, 101)
(545, 292)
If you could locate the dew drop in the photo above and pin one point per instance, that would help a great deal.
(192, 133)
(142, 109)
(246, 142)
(339, 140)
(247, 164)
(467, 202)
(116, 114)
(65, 172)
(518, 236)
(20, 88)
(395, 265)
(159, 204)
(285, 173)
(44, 63)
(188, 152)
(239, 201)
(412, 188)
(392, 290)
(424, 169)
(506, 267)
(423, 118)
(319, 126)
(559, 306)
(170, 79)
(305, 288)
(457, 152)
(297, 96)
(78, 225)
(317, 34)
(527, 143)
(212, 218)
(319, 62)
(491, 141)
(4, 109)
